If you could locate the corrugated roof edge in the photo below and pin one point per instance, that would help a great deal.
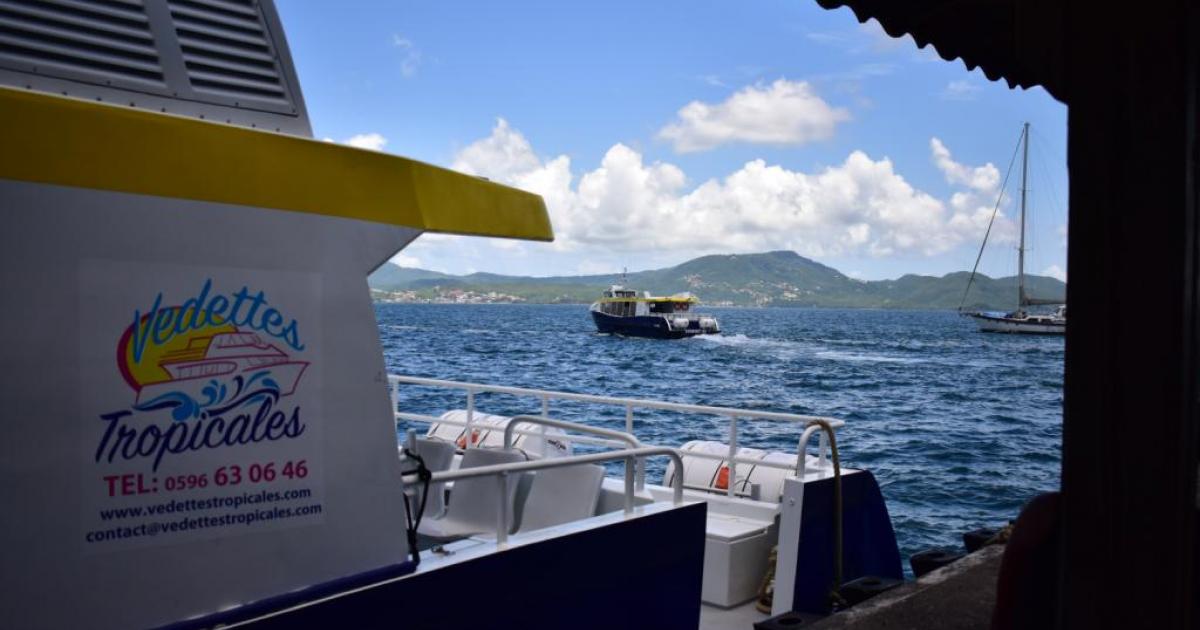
(1017, 33)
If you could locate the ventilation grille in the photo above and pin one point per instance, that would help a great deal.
(227, 51)
(225, 60)
(104, 41)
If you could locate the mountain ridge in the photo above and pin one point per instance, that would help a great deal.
(775, 278)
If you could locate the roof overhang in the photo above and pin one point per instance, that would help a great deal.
(71, 142)
(1019, 41)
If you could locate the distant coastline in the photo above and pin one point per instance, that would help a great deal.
(781, 278)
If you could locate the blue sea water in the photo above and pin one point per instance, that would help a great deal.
(960, 428)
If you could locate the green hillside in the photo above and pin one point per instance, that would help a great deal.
(780, 278)
(391, 277)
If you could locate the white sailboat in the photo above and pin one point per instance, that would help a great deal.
(1020, 320)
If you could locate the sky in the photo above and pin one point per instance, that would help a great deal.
(659, 132)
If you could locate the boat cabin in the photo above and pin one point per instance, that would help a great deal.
(619, 293)
(621, 302)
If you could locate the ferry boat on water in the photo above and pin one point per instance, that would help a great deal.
(137, 134)
(622, 311)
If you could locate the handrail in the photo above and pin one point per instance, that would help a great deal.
(580, 439)
(734, 415)
(801, 467)
(504, 470)
(510, 426)
(628, 438)
(613, 400)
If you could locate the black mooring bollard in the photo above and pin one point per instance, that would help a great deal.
(866, 587)
(977, 538)
(925, 561)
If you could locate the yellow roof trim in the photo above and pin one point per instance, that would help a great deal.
(71, 142)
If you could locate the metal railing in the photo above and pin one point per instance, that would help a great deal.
(502, 472)
(631, 470)
(734, 416)
(511, 427)
(577, 439)
(823, 441)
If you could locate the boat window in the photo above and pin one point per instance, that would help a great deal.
(619, 309)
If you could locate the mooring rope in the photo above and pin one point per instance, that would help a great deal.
(424, 476)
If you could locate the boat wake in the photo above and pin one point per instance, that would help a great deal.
(785, 349)
(742, 341)
(865, 357)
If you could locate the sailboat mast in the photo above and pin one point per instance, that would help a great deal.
(1021, 249)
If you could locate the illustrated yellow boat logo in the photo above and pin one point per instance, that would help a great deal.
(199, 362)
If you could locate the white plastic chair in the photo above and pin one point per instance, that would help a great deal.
(475, 501)
(562, 495)
(438, 456)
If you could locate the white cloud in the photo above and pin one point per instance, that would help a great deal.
(372, 141)
(973, 206)
(500, 157)
(868, 37)
(509, 246)
(782, 113)
(404, 260)
(827, 38)
(984, 178)
(960, 91)
(880, 40)
(627, 205)
(588, 267)
(1054, 271)
(411, 59)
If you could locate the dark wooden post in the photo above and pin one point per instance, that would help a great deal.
(1129, 426)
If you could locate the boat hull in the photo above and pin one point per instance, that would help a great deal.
(649, 326)
(1013, 325)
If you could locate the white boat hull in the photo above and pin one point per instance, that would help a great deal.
(1020, 325)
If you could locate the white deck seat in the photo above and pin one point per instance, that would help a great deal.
(561, 495)
(438, 456)
(474, 502)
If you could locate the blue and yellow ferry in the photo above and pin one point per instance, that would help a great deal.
(623, 312)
